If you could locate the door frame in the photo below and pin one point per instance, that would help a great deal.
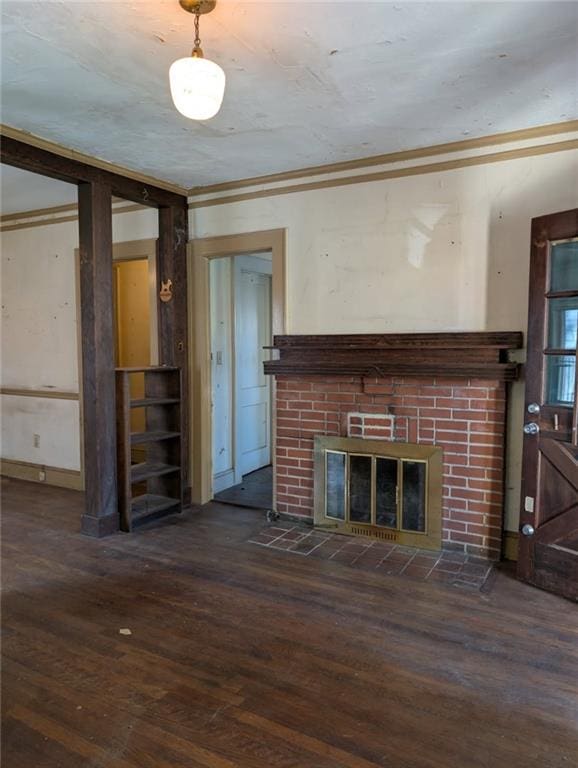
(199, 252)
(544, 230)
(128, 250)
(135, 250)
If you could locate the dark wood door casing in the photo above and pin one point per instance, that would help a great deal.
(549, 502)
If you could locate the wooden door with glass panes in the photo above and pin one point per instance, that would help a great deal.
(548, 551)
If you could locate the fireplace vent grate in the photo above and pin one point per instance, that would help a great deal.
(373, 533)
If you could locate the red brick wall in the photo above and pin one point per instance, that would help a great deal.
(464, 417)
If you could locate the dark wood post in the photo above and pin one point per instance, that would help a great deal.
(172, 314)
(96, 303)
(95, 224)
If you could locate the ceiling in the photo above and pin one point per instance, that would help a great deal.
(307, 82)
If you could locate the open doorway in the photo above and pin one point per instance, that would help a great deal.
(134, 325)
(240, 291)
(202, 252)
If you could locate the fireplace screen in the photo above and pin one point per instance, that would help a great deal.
(375, 488)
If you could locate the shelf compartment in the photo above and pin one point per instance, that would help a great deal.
(152, 486)
(151, 504)
(141, 438)
(146, 402)
(147, 469)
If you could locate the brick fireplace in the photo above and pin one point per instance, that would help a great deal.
(444, 390)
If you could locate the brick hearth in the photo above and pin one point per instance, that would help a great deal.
(465, 417)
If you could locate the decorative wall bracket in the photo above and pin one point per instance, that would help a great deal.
(166, 292)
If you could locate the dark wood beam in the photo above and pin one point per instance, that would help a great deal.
(98, 383)
(172, 314)
(96, 189)
(36, 160)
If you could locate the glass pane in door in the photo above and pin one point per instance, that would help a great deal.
(360, 488)
(560, 379)
(564, 266)
(413, 496)
(335, 484)
(386, 492)
(563, 323)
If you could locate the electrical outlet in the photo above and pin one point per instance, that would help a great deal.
(42, 476)
(36, 441)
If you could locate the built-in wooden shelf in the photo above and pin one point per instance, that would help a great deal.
(469, 355)
(160, 444)
(141, 472)
(151, 504)
(140, 438)
(147, 402)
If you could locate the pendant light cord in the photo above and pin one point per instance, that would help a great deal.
(197, 48)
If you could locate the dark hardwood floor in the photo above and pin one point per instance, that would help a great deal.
(244, 656)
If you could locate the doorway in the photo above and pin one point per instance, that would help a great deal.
(202, 252)
(134, 281)
(240, 332)
(131, 326)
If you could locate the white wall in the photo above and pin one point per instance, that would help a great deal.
(434, 252)
(39, 345)
(40, 337)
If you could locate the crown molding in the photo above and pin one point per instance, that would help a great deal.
(43, 217)
(524, 134)
(35, 213)
(95, 162)
(398, 173)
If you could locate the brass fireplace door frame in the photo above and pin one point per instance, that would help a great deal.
(431, 455)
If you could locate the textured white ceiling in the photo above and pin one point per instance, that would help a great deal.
(307, 83)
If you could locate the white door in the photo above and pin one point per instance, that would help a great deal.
(222, 367)
(252, 290)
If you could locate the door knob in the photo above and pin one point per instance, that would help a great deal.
(528, 530)
(531, 428)
(534, 408)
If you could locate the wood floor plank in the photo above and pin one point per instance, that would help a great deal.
(240, 656)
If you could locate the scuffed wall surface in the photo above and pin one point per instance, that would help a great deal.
(39, 345)
(40, 337)
(39, 325)
(443, 251)
(56, 422)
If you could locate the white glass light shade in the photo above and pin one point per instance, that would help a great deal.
(197, 87)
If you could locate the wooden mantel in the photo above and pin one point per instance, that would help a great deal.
(481, 355)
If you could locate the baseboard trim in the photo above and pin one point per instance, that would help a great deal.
(42, 474)
(510, 545)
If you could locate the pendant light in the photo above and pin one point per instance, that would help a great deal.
(197, 84)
